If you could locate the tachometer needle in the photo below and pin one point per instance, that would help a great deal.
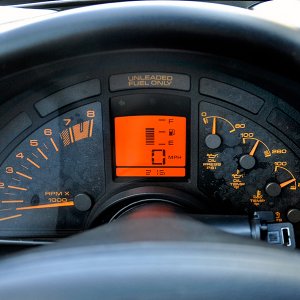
(253, 150)
(69, 203)
(284, 184)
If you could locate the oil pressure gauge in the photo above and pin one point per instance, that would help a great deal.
(244, 165)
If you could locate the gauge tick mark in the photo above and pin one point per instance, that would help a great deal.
(33, 163)
(91, 128)
(24, 175)
(42, 153)
(12, 201)
(17, 188)
(11, 217)
(54, 145)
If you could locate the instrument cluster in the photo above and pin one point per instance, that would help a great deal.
(67, 153)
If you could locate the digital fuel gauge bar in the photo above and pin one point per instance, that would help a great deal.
(150, 146)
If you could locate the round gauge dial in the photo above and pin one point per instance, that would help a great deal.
(243, 164)
(48, 183)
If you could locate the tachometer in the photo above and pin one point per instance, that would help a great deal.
(48, 183)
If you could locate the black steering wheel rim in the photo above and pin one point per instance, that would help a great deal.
(129, 260)
(179, 25)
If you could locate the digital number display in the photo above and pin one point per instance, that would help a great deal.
(150, 146)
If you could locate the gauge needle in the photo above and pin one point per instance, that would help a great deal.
(214, 126)
(69, 203)
(254, 149)
(284, 184)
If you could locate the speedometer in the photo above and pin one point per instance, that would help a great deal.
(151, 136)
(49, 182)
(160, 143)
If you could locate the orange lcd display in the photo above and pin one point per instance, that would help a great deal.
(150, 146)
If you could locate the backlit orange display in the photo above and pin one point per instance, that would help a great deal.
(150, 146)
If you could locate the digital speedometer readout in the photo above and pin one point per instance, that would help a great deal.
(150, 146)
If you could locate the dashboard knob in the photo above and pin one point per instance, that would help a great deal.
(213, 141)
(247, 162)
(294, 215)
(83, 202)
(273, 189)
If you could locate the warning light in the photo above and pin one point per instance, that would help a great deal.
(150, 146)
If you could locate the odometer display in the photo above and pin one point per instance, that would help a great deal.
(150, 146)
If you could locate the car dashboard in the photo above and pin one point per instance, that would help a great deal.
(149, 150)
(88, 138)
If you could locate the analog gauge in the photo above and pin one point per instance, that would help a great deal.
(50, 181)
(243, 164)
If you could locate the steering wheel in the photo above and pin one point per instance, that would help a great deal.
(146, 255)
